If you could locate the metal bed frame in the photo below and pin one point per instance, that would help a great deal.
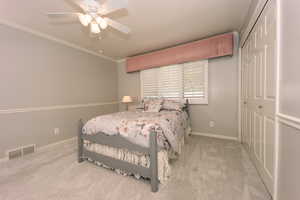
(118, 141)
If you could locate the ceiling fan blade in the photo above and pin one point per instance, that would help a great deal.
(79, 3)
(118, 26)
(63, 14)
(111, 6)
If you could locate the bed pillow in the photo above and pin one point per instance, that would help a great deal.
(173, 104)
(140, 106)
(152, 104)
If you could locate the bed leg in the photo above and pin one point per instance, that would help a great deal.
(153, 162)
(80, 142)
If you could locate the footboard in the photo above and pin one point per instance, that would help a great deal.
(117, 141)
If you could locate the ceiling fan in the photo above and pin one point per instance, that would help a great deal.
(94, 14)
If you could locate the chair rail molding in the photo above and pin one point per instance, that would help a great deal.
(289, 120)
(55, 107)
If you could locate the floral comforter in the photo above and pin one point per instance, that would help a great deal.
(136, 126)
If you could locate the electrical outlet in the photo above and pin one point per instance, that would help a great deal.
(211, 124)
(56, 131)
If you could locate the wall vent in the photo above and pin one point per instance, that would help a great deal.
(20, 151)
(16, 153)
(28, 149)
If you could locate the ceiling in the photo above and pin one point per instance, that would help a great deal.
(155, 24)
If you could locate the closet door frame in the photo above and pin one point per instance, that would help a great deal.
(244, 36)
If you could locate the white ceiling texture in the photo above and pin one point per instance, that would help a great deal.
(154, 24)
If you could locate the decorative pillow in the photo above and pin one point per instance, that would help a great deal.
(140, 106)
(152, 104)
(173, 104)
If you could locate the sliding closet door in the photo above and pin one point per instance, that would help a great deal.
(259, 93)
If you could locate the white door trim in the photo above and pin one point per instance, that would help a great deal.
(278, 54)
(239, 95)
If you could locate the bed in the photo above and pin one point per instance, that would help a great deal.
(138, 143)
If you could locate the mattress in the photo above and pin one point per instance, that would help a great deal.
(136, 126)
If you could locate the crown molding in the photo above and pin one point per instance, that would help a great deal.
(52, 38)
(121, 60)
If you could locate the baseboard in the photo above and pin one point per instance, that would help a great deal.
(215, 136)
(47, 147)
(3, 159)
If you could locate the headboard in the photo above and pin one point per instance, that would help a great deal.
(186, 108)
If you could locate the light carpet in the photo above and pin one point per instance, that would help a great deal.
(208, 169)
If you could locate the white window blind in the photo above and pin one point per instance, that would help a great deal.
(170, 81)
(149, 83)
(194, 79)
(188, 80)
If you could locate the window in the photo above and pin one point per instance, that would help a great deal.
(188, 80)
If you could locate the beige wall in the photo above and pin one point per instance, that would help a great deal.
(289, 135)
(128, 84)
(35, 72)
(223, 95)
(290, 32)
(289, 163)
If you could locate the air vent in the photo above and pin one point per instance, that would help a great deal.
(16, 153)
(20, 151)
(28, 149)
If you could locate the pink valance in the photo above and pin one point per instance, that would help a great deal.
(217, 46)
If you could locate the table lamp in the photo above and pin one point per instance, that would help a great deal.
(126, 100)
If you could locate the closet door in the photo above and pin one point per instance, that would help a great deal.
(245, 111)
(259, 94)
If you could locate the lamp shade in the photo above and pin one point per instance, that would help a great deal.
(126, 99)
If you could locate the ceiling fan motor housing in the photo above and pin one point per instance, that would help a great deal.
(92, 6)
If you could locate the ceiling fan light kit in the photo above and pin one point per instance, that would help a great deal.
(93, 13)
(84, 19)
(102, 22)
(95, 27)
